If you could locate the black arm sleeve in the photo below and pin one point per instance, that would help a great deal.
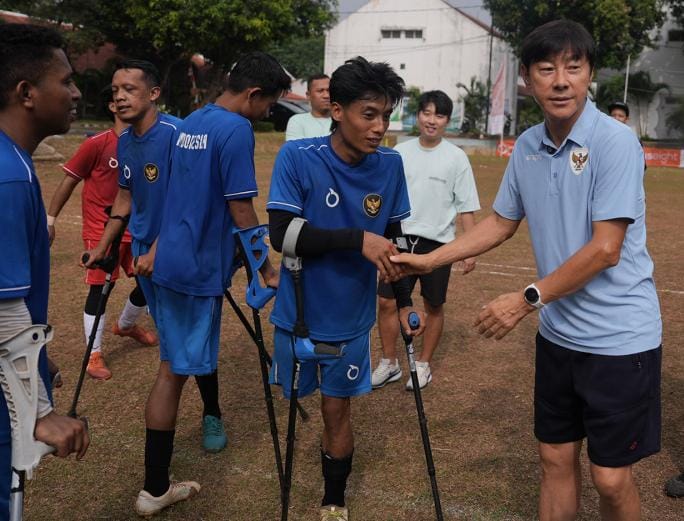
(401, 287)
(312, 241)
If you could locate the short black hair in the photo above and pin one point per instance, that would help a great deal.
(553, 38)
(360, 79)
(315, 77)
(619, 105)
(25, 53)
(258, 69)
(149, 70)
(443, 104)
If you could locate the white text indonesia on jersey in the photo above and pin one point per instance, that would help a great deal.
(192, 141)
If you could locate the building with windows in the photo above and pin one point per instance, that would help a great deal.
(432, 44)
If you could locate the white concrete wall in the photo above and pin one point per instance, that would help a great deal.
(453, 49)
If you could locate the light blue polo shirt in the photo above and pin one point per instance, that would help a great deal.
(595, 175)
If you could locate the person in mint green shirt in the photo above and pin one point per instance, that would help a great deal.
(317, 122)
(441, 186)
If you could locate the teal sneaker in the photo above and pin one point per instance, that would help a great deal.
(214, 437)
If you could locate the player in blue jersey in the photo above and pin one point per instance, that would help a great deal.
(38, 98)
(352, 193)
(144, 156)
(210, 192)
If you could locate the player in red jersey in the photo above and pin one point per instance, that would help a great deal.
(96, 165)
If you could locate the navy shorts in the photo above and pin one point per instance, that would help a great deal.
(349, 375)
(433, 285)
(613, 401)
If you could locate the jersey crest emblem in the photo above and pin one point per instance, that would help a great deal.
(372, 204)
(151, 172)
(578, 159)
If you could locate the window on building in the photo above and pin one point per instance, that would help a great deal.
(402, 66)
(675, 35)
(398, 33)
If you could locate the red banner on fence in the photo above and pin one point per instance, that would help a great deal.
(505, 148)
(664, 157)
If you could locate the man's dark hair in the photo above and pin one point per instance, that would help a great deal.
(619, 105)
(443, 104)
(556, 37)
(313, 78)
(258, 69)
(149, 70)
(25, 53)
(360, 79)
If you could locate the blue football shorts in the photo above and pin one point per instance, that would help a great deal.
(349, 375)
(189, 328)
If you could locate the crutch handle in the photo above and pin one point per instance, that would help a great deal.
(413, 320)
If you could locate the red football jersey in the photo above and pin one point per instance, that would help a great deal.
(95, 163)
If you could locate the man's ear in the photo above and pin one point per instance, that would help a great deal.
(24, 92)
(253, 92)
(155, 92)
(336, 111)
(525, 73)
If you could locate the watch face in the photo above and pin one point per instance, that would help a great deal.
(531, 295)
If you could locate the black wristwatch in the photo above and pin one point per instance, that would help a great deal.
(533, 296)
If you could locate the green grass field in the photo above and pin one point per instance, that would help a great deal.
(479, 405)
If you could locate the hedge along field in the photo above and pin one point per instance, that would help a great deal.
(479, 405)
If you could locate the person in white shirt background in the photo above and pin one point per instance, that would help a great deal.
(317, 122)
(441, 186)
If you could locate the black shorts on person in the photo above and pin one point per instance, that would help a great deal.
(613, 401)
(433, 285)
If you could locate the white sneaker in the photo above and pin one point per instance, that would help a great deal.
(147, 505)
(385, 373)
(424, 376)
(334, 513)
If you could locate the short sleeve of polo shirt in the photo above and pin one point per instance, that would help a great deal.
(508, 203)
(286, 189)
(465, 191)
(16, 239)
(84, 160)
(619, 171)
(236, 163)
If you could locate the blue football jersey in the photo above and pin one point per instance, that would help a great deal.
(144, 168)
(25, 247)
(213, 163)
(311, 181)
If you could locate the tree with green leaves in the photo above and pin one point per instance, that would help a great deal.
(621, 28)
(302, 57)
(169, 32)
(474, 106)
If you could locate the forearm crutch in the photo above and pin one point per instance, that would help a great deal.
(19, 381)
(253, 252)
(303, 349)
(414, 323)
(259, 342)
(108, 264)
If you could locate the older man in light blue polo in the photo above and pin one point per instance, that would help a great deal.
(578, 179)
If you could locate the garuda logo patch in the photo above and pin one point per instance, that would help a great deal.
(151, 172)
(372, 204)
(578, 159)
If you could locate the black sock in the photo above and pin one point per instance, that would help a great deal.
(158, 450)
(335, 474)
(208, 387)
